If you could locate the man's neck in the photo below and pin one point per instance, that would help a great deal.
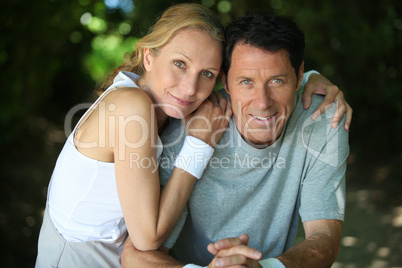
(245, 135)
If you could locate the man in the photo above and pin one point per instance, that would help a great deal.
(272, 164)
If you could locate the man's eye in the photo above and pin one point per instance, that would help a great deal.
(207, 74)
(246, 82)
(276, 81)
(179, 64)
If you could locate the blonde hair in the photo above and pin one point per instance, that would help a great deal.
(172, 21)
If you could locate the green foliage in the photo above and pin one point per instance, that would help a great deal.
(52, 53)
(107, 53)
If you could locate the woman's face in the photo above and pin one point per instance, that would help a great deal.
(183, 74)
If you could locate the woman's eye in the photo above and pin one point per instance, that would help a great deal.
(207, 74)
(179, 64)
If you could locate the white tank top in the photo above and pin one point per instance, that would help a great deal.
(83, 201)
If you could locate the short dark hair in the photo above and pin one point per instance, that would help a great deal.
(268, 32)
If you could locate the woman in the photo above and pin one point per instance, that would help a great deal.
(107, 169)
(105, 181)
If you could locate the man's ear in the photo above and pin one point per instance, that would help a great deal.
(300, 77)
(224, 82)
(147, 59)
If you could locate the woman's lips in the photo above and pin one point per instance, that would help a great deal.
(181, 101)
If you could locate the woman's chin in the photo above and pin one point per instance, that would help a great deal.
(176, 113)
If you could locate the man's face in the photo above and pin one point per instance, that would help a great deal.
(262, 85)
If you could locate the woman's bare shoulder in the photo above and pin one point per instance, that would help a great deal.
(129, 101)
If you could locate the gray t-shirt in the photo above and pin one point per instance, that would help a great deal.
(262, 192)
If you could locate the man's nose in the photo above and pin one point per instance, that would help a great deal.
(263, 98)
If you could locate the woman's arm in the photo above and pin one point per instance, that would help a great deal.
(318, 84)
(150, 214)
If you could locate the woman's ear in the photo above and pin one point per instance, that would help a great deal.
(147, 59)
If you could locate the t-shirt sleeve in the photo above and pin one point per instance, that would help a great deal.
(306, 76)
(323, 185)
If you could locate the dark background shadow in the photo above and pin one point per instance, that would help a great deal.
(52, 54)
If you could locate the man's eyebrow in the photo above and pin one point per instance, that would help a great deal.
(271, 77)
(244, 78)
(278, 75)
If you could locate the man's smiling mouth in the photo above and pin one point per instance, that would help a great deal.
(263, 118)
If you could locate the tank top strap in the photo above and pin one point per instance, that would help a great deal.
(122, 79)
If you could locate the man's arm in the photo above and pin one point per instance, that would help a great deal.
(319, 249)
(231, 251)
(131, 257)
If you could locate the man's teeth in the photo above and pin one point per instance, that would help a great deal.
(263, 118)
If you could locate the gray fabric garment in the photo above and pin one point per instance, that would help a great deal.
(55, 251)
(262, 192)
